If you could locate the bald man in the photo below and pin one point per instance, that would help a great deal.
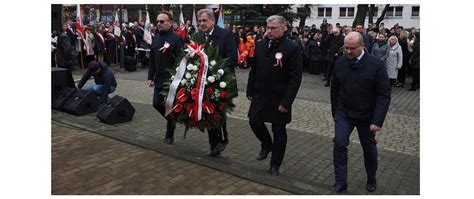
(360, 97)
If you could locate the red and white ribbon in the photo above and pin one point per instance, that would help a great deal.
(193, 49)
(165, 47)
(174, 86)
(101, 38)
(278, 57)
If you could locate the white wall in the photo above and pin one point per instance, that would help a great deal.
(406, 20)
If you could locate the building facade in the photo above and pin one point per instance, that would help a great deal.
(406, 15)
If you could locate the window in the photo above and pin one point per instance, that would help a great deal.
(394, 11)
(415, 11)
(324, 12)
(106, 15)
(346, 12)
(376, 12)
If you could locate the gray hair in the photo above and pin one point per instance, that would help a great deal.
(209, 12)
(281, 20)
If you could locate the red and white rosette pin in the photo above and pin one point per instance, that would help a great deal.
(278, 57)
(165, 47)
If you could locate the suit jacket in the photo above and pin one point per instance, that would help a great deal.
(223, 40)
(361, 90)
(159, 61)
(270, 85)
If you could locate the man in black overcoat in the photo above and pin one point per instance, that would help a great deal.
(165, 49)
(360, 97)
(224, 41)
(272, 87)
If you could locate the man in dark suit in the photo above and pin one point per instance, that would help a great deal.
(223, 40)
(165, 49)
(360, 97)
(272, 87)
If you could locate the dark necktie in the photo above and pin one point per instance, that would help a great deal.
(271, 43)
(206, 35)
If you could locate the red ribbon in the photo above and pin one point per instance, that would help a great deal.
(196, 46)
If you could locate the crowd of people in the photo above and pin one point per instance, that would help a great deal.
(359, 64)
(321, 46)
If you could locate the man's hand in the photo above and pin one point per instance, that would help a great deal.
(150, 83)
(282, 109)
(374, 128)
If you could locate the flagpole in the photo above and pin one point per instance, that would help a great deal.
(80, 48)
(115, 40)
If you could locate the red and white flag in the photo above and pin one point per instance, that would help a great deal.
(117, 24)
(79, 25)
(147, 34)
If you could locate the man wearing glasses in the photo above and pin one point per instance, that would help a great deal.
(360, 97)
(272, 86)
(223, 40)
(165, 49)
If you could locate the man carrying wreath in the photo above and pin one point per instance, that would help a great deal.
(272, 86)
(165, 49)
(223, 40)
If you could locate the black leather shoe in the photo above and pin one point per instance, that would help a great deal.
(337, 188)
(214, 153)
(168, 140)
(326, 85)
(220, 147)
(263, 155)
(371, 187)
(274, 171)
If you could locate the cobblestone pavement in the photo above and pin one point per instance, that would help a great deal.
(86, 163)
(307, 168)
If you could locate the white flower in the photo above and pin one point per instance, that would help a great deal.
(193, 80)
(220, 71)
(188, 75)
(211, 79)
(189, 67)
(183, 82)
(177, 68)
(172, 77)
(213, 63)
(222, 84)
(195, 68)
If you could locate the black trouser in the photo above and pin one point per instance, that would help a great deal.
(343, 130)
(329, 72)
(279, 139)
(158, 104)
(402, 74)
(415, 73)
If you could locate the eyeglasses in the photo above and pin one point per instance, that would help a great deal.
(351, 49)
(273, 28)
(160, 21)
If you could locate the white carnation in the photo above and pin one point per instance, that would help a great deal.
(172, 77)
(195, 68)
(177, 68)
(222, 84)
(220, 72)
(211, 79)
(189, 67)
(188, 75)
(183, 82)
(213, 63)
(193, 80)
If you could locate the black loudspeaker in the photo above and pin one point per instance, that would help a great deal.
(117, 110)
(60, 99)
(60, 78)
(81, 103)
(130, 63)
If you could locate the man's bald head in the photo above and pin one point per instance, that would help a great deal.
(354, 37)
(353, 44)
